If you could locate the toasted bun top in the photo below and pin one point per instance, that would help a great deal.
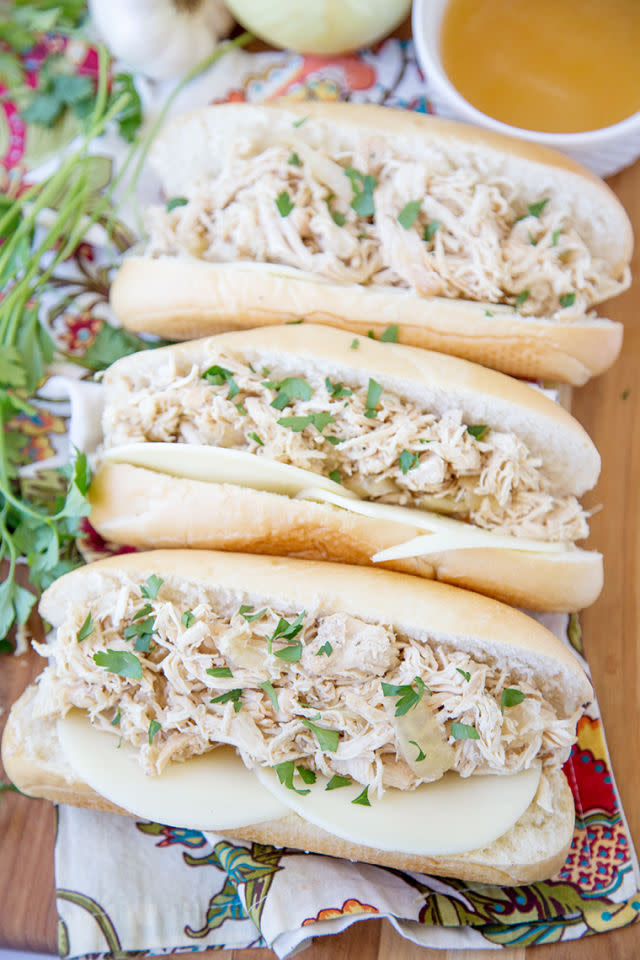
(420, 608)
(432, 380)
(192, 147)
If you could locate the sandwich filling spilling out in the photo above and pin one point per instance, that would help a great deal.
(176, 669)
(372, 214)
(383, 447)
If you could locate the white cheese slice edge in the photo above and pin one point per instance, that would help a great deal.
(450, 816)
(211, 791)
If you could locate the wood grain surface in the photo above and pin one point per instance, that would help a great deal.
(609, 408)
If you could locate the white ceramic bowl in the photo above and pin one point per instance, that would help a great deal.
(604, 151)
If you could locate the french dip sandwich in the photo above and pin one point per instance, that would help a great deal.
(341, 710)
(356, 216)
(305, 441)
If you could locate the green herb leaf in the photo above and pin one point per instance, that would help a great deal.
(337, 390)
(151, 587)
(176, 202)
(334, 441)
(116, 720)
(409, 698)
(325, 650)
(477, 430)
(567, 300)
(374, 393)
(463, 731)
(355, 343)
(154, 727)
(363, 798)
(522, 297)
(110, 344)
(297, 424)
(120, 662)
(363, 187)
(235, 696)
(294, 160)
(408, 461)
(221, 672)
(464, 673)
(532, 239)
(292, 388)
(217, 375)
(290, 654)
(337, 781)
(187, 619)
(421, 753)
(327, 739)
(335, 476)
(555, 236)
(430, 230)
(267, 686)
(535, 209)
(307, 775)
(338, 218)
(85, 630)
(286, 630)
(254, 436)
(390, 335)
(130, 116)
(511, 697)
(285, 772)
(409, 214)
(298, 123)
(141, 631)
(284, 204)
(142, 612)
(245, 611)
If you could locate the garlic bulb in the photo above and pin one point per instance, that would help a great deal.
(320, 26)
(161, 38)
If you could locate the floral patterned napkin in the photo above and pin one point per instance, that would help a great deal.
(127, 886)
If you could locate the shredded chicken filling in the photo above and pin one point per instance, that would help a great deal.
(332, 675)
(391, 452)
(424, 225)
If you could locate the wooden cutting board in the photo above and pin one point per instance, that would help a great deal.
(609, 408)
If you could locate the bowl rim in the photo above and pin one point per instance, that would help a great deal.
(435, 72)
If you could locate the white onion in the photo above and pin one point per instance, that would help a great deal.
(320, 26)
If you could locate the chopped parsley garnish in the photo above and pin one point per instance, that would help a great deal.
(245, 611)
(187, 619)
(477, 430)
(535, 209)
(116, 719)
(488, 313)
(463, 731)
(149, 590)
(235, 696)
(337, 390)
(293, 323)
(555, 237)
(408, 461)
(241, 409)
(267, 686)
(294, 160)
(363, 798)
(285, 772)
(421, 753)
(176, 202)
(390, 335)
(154, 726)
(292, 388)
(409, 214)
(217, 375)
(335, 476)
(522, 297)
(338, 218)
(374, 393)
(430, 230)
(464, 673)
(85, 630)
(284, 204)
(254, 436)
(325, 650)
(409, 698)
(327, 739)
(142, 612)
(308, 776)
(120, 662)
(363, 187)
(567, 299)
(221, 672)
(141, 631)
(355, 344)
(337, 781)
(298, 424)
(511, 697)
(334, 441)
(288, 631)
(290, 654)
(371, 335)
(298, 123)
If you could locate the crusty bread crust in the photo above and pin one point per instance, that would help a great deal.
(180, 299)
(142, 508)
(431, 380)
(34, 761)
(418, 607)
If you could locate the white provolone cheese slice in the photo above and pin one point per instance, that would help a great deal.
(452, 815)
(445, 533)
(221, 465)
(211, 791)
